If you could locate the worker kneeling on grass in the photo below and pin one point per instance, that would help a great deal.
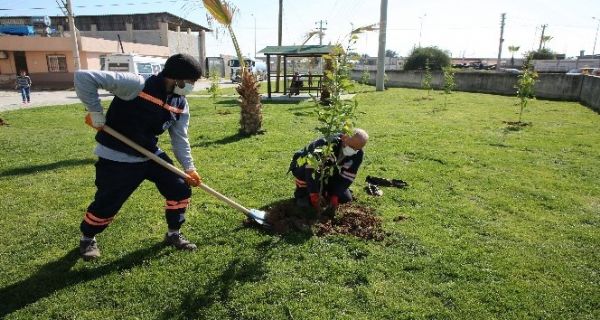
(349, 156)
(141, 110)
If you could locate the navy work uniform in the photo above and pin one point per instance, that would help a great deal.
(344, 172)
(142, 120)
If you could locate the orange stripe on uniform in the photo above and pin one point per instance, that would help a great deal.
(159, 102)
(174, 204)
(177, 206)
(91, 219)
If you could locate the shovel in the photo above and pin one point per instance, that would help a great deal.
(257, 215)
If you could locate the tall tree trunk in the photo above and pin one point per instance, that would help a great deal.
(251, 113)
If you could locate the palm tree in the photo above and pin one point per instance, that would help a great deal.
(251, 114)
(512, 50)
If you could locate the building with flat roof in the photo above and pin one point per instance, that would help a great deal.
(45, 51)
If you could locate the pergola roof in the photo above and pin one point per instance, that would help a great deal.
(298, 51)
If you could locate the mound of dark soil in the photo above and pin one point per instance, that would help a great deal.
(3, 123)
(349, 219)
(355, 220)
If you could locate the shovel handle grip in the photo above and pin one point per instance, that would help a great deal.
(172, 168)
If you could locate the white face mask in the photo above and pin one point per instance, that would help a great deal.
(347, 151)
(185, 90)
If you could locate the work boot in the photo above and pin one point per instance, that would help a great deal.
(178, 241)
(89, 249)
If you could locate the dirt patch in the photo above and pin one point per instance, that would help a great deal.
(3, 123)
(355, 220)
(224, 113)
(349, 219)
(423, 98)
(516, 125)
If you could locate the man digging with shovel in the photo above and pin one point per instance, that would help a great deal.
(141, 110)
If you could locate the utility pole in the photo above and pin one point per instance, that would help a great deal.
(279, 44)
(76, 60)
(542, 36)
(596, 37)
(421, 27)
(320, 23)
(502, 20)
(379, 80)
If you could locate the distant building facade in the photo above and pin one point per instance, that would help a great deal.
(46, 50)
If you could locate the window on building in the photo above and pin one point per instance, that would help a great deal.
(102, 62)
(57, 63)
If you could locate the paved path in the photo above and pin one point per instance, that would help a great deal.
(11, 100)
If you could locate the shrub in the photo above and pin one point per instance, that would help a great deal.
(525, 89)
(419, 57)
(542, 54)
(215, 88)
(427, 78)
(365, 76)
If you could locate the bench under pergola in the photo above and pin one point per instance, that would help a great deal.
(308, 51)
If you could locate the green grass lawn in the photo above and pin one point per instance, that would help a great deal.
(501, 224)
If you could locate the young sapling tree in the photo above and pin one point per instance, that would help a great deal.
(525, 89)
(337, 115)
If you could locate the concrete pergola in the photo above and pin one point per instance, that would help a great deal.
(309, 51)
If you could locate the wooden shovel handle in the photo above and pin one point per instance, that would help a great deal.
(173, 168)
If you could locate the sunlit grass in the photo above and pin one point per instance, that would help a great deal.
(501, 223)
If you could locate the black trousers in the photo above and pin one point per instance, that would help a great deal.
(301, 176)
(116, 181)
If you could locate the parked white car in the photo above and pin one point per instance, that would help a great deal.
(142, 65)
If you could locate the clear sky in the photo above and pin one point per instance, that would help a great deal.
(464, 27)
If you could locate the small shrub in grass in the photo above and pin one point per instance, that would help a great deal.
(365, 76)
(449, 82)
(215, 89)
(385, 80)
(427, 79)
(525, 89)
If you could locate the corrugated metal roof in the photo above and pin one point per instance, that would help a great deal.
(141, 18)
(303, 51)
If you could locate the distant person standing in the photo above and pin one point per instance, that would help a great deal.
(23, 84)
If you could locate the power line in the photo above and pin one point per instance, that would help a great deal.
(93, 6)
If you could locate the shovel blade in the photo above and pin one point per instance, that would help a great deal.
(258, 216)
